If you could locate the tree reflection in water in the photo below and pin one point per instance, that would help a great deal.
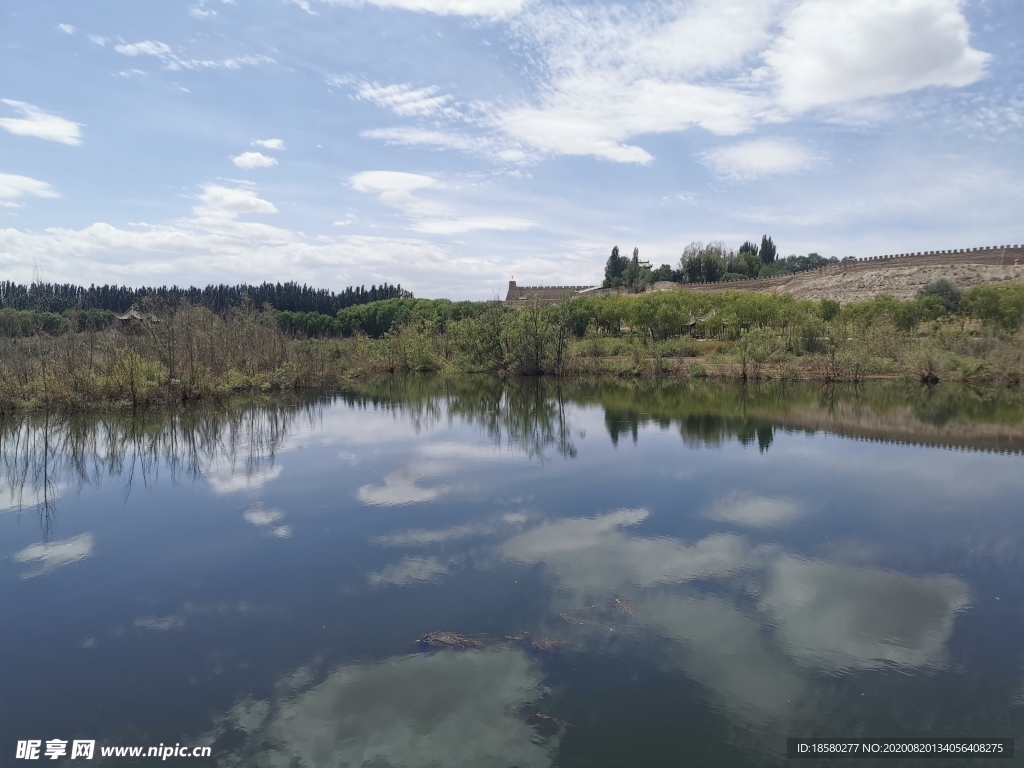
(42, 455)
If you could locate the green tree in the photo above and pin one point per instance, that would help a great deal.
(662, 273)
(689, 262)
(614, 269)
(829, 309)
(712, 266)
(748, 248)
(636, 277)
(768, 250)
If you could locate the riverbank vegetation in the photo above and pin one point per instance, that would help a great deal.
(170, 353)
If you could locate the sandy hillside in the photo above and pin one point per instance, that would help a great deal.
(901, 281)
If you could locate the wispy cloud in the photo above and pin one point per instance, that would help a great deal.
(495, 9)
(13, 187)
(66, 28)
(407, 100)
(492, 147)
(269, 143)
(201, 11)
(174, 62)
(35, 122)
(608, 75)
(758, 158)
(144, 48)
(409, 571)
(395, 189)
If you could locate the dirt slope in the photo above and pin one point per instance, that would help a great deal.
(903, 282)
(901, 275)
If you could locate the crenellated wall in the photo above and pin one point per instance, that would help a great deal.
(989, 254)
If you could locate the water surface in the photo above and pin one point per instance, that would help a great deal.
(655, 575)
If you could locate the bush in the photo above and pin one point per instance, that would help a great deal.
(946, 293)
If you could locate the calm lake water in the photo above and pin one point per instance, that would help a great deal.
(645, 575)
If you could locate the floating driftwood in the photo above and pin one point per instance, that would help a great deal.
(618, 605)
(572, 618)
(538, 644)
(532, 717)
(623, 606)
(538, 717)
(450, 640)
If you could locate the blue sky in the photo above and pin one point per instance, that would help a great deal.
(450, 144)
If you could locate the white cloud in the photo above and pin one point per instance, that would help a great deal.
(226, 479)
(98, 40)
(55, 554)
(409, 571)
(396, 189)
(610, 74)
(422, 537)
(417, 711)
(493, 147)
(406, 100)
(66, 28)
(269, 143)
(263, 517)
(832, 51)
(201, 12)
(13, 186)
(144, 48)
(841, 617)
(230, 202)
(388, 182)
(758, 158)
(495, 9)
(757, 511)
(35, 122)
(613, 73)
(175, 63)
(250, 160)
(724, 649)
(399, 488)
(458, 225)
(593, 555)
(17, 498)
(216, 242)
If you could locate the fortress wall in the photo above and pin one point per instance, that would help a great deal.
(991, 254)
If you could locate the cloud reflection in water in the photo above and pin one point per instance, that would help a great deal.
(452, 709)
(55, 554)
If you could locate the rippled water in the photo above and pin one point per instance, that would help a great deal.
(636, 575)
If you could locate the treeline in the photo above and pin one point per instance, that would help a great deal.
(665, 314)
(377, 318)
(709, 263)
(16, 323)
(290, 296)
